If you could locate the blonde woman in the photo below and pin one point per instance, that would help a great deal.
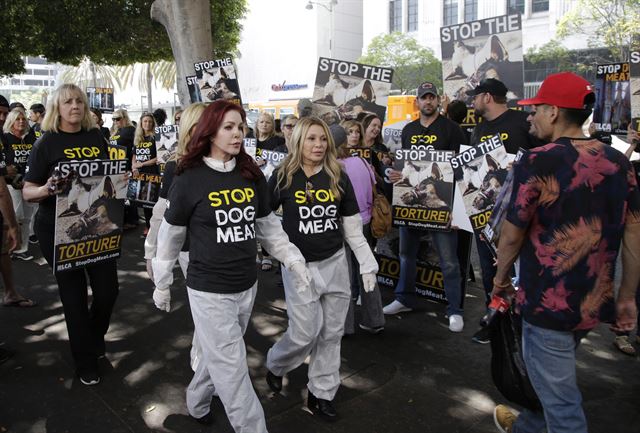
(266, 132)
(145, 155)
(287, 124)
(68, 127)
(188, 120)
(320, 213)
(122, 134)
(355, 133)
(18, 142)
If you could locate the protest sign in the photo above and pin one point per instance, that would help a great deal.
(612, 112)
(215, 79)
(89, 213)
(634, 68)
(101, 98)
(423, 198)
(144, 189)
(345, 89)
(166, 139)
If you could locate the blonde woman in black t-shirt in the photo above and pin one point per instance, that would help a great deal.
(220, 197)
(319, 213)
(145, 155)
(70, 134)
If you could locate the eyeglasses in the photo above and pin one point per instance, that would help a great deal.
(116, 119)
(308, 194)
(288, 126)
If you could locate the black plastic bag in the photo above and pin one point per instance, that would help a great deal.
(508, 370)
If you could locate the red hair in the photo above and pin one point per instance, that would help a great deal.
(200, 144)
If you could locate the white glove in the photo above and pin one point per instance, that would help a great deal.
(369, 282)
(149, 269)
(301, 276)
(162, 299)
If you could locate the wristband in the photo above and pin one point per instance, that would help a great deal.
(501, 286)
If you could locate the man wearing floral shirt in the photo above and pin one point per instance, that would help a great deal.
(574, 201)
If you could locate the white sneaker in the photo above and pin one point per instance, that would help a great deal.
(456, 323)
(396, 307)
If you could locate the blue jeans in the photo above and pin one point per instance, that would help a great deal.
(446, 243)
(487, 267)
(550, 357)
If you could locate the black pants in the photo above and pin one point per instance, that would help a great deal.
(86, 325)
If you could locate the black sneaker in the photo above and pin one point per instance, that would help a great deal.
(483, 336)
(33, 239)
(22, 256)
(5, 355)
(372, 329)
(89, 378)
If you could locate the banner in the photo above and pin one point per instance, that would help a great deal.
(488, 48)
(101, 98)
(216, 79)
(166, 138)
(634, 64)
(423, 198)
(491, 231)
(194, 90)
(267, 160)
(612, 112)
(480, 171)
(345, 89)
(116, 151)
(144, 189)
(429, 283)
(89, 213)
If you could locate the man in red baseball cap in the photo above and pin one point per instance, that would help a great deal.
(574, 200)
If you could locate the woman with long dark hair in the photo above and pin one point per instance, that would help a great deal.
(220, 197)
(319, 213)
(68, 127)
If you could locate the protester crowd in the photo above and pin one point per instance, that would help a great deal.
(575, 204)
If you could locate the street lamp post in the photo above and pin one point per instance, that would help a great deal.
(328, 5)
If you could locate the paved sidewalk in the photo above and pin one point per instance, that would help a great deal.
(414, 377)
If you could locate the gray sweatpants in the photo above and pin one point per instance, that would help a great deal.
(220, 323)
(316, 325)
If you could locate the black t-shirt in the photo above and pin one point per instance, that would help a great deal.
(167, 178)
(17, 150)
(270, 143)
(144, 151)
(36, 130)
(52, 148)
(124, 137)
(314, 225)
(513, 128)
(442, 134)
(220, 210)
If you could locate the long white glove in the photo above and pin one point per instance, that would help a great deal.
(369, 282)
(151, 241)
(301, 276)
(352, 226)
(162, 299)
(270, 233)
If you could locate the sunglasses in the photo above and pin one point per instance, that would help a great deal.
(116, 119)
(288, 126)
(308, 188)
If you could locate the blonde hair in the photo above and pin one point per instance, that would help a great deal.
(348, 124)
(12, 118)
(189, 119)
(293, 161)
(51, 120)
(120, 112)
(273, 126)
(139, 135)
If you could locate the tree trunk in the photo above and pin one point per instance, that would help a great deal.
(188, 24)
(149, 89)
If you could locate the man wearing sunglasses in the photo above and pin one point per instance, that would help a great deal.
(574, 201)
(490, 104)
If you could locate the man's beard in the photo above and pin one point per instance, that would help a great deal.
(428, 111)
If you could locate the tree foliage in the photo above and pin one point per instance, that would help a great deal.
(412, 63)
(114, 32)
(611, 23)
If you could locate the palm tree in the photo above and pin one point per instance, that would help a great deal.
(89, 74)
(144, 74)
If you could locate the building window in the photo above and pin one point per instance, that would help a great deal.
(470, 10)
(540, 6)
(395, 16)
(450, 12)
(515, 6)
(412, 15)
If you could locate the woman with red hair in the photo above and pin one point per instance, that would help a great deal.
(220, 197)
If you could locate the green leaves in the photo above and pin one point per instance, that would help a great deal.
(113, 32)
(412, 63)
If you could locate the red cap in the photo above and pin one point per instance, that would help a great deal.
(564, 90)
